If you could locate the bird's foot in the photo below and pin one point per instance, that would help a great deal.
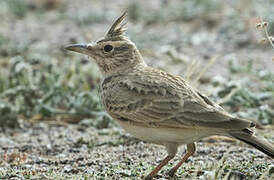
(171, 172)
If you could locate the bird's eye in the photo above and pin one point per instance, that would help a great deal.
(108, 48)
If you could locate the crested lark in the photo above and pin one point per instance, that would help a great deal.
(156, 106)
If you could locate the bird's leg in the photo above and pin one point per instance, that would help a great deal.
(172, 149)
(159, 167)
(190, 151)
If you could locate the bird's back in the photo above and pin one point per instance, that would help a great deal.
(151, 96)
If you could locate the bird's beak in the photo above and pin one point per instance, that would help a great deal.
(80, 48)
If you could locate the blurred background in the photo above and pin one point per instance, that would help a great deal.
(48, 93)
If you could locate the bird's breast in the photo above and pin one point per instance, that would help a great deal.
(162, 135)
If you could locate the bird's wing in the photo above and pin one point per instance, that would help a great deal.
(167, 101)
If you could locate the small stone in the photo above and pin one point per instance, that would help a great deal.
(67, 169)
(217, 80)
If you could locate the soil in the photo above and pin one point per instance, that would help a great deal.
(60, 150)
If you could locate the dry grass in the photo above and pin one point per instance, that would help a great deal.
(52, 124)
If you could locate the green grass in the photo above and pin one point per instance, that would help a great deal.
(38, 83)
(18, 7)
(178, 11)
(38, 89)
(241, 98)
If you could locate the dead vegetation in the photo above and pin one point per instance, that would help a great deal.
(52, 123)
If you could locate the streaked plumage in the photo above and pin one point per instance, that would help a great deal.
(157, 106)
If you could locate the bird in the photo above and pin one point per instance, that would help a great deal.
(157, 106)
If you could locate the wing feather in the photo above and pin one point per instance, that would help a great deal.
(161, 101)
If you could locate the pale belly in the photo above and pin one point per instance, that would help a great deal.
(160, 135)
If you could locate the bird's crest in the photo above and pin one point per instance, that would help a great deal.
(117, 29)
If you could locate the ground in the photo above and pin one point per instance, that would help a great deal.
(53, 125)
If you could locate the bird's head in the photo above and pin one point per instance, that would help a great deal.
(114, 53)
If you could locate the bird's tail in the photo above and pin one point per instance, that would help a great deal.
(248, 137)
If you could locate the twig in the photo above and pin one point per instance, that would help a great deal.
(202, 72)
(228, 96)
(264, 26)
